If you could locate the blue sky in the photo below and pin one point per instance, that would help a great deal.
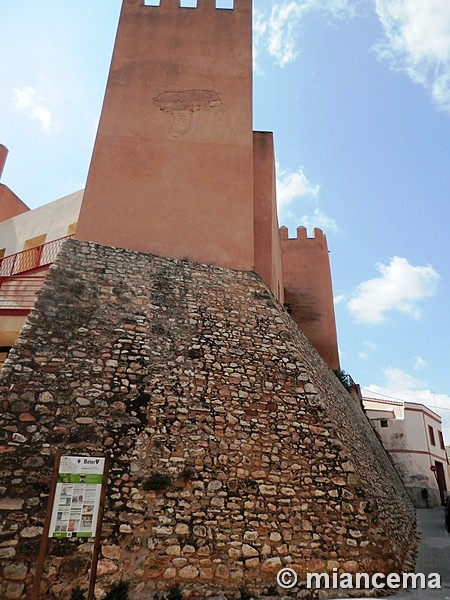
(357, 93)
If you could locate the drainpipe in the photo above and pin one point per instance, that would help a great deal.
(3, 156)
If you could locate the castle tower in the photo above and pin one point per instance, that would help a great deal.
(10, 204)
(308, 290)
(172, 168)
(186, 372)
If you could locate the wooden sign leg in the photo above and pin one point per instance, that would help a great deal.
(44, 539)
(98, 532)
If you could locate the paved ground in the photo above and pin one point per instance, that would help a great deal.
(433, 556)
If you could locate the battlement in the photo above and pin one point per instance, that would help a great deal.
(302, 234)
(178, 107)
(169, 4)
(308, 290)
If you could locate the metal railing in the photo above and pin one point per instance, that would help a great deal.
(33, 258)
(18, 293)
(22, 275)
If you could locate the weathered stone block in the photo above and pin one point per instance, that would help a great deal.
(178, 368)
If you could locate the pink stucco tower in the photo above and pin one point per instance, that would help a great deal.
(308, 290)
(177, 170)
(172, 168)
(10, 204)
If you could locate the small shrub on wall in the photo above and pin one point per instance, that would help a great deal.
(157, 482)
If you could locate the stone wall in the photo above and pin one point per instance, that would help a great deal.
(196, 372)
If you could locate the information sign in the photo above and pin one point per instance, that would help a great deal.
(77, 497)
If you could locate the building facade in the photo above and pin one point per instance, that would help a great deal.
(159, 340)
(412, 436)
(29, 243)
(181, 173)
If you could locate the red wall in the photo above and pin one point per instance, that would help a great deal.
(172, 168)
(308, 290)
(268, 262)
(177, 170)
(10, 204)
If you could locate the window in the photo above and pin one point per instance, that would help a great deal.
(188, 3)
(441, 440)
(72, 228)
(4, 353)
(30, 258)
(384, 423)
(229, 4)
(151, 2)
(431, 435)
(36, 241)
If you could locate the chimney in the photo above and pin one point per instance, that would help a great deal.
(3, 156)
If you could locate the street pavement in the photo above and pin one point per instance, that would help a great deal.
(433, 555)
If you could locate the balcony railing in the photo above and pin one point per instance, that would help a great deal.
(18, 293)
(22, 275)
(39, 256)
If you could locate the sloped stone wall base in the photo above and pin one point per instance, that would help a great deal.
(198, 373)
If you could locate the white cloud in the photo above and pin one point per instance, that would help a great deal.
(370, 345)
(399, 381)
(420, 363)
(400, 287)
(283, 28)
(278, 31)
(369, 348)
(339, 299)
(417, 41)
(318, 219)
(402, 386)
(293, 185)
(34, 103)
(416, 36)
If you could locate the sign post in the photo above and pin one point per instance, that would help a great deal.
(44, 540)
(75, 509)
(98, 533)
(77, 497)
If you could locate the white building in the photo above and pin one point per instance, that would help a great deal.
(29, 243)
(412, 435)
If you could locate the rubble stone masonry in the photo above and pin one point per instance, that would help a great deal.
(196, 372)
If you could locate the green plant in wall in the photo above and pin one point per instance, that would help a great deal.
(157, 482)
(344, 378)
(118, 591)
(175, 594)
(77, 594)
(188, 473)
(245, 594)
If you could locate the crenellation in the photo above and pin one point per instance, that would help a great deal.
(166, 152)
(302, 234)
(284, 232)
(188, 3)
(222, 5)
(196, 372)
(160, 339)
(308, 289)
(226, 4)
